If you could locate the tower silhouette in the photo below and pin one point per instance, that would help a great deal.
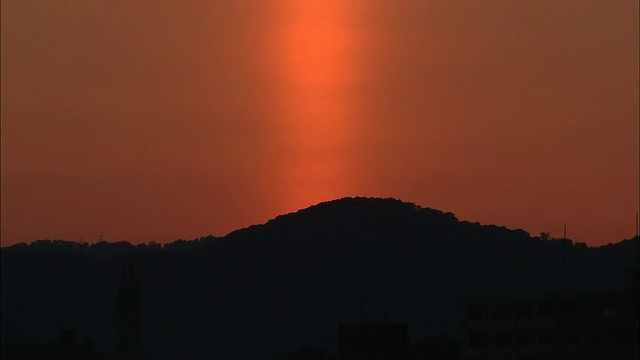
(129, 334)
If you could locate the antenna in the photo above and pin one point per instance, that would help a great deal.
(565, 231)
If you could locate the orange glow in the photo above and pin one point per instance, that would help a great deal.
(158, 120)
(316, 70)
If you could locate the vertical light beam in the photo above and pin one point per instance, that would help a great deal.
(315, 66)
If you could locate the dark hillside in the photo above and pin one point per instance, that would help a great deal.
(268, 289)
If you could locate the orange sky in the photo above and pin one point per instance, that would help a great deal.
(158, 120)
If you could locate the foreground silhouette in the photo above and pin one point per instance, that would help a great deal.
(283, 288)
(129, 313)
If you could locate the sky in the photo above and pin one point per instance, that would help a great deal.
(161, 120)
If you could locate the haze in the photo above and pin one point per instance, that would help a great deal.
(158, 120)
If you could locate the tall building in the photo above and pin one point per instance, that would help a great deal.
(129, 313)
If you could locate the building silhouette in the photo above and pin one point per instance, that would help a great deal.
(373, 341)
(129, 345)
(577, 325)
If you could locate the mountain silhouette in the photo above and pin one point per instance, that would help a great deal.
(269, 289)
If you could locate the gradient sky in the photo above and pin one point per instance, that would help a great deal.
(158, 120)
